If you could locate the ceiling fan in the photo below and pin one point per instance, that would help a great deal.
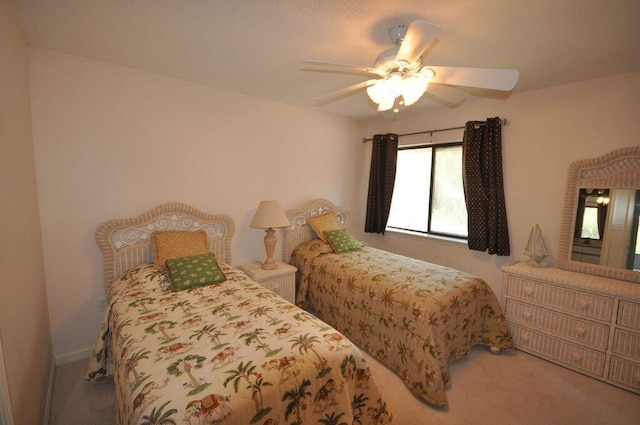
(401, 79)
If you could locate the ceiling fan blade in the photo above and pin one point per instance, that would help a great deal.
(346, 67)
(485, 78)
(323, 100)
(447, 94)
(418, 37)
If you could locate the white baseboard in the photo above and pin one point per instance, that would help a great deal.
(73, 356)
(47, 408)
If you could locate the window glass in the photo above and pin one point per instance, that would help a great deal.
(590, 224)
(449, 211)
(638, 238)
(428, 195)
(410, 202)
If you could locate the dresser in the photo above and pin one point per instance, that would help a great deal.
(281, 280)
(587, 323)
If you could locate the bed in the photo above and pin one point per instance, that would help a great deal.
(231, 352)
(413, 316)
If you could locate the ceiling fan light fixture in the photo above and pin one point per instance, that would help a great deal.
(413, 87)
(376, 92)
(394, 85)
(386, 104)
(385, 91)
(428, 73)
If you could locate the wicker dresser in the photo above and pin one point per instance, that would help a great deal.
(586, 323)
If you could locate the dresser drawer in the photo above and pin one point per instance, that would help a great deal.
(558, 350)
(583, 304)
(625, 372)
(626, 343)
(629, 314)
(581, 331)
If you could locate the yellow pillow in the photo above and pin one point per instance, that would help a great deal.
(322, 223)
(176, 244)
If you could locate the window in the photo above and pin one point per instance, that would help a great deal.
(428, 196)
(637, 251)
(590, 224)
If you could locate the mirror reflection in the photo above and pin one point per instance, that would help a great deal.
(606, 229)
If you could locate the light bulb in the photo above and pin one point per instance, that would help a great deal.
(384, 92)
(394, 86)
(413, 88)
(376, 92)
(386, 104)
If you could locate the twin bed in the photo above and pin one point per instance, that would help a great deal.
(234, 352)
(230, 352)
(413, 316)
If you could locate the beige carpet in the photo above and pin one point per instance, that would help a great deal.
(511, 388)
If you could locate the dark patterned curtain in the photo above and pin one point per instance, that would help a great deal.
(483, 187)
(602, 219)
(582, 200)
(381, 179)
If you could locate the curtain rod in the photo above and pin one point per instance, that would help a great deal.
(504, 122)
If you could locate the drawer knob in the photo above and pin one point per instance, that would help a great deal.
(584, 304)
(525, 338)
(576, 357)
(527, 315)
(528, 291)
(580, 330)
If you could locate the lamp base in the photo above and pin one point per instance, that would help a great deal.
(270, 241)
(270, 266)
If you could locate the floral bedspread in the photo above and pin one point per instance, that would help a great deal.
(414, 316)
(232, 353)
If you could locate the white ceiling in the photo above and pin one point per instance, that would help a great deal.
(255, 46)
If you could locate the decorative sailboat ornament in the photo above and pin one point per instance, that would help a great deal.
(536, 248)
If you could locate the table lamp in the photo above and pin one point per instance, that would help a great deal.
(269, 215)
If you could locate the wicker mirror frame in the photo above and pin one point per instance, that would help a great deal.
(619, 169)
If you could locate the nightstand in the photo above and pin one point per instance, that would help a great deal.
(282, 280)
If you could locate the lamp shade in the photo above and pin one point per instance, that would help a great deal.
(269, 215)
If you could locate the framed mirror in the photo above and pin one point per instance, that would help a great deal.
(600, 232)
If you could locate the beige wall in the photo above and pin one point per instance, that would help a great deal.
(546, 131)
(111, 141)
(24, 319)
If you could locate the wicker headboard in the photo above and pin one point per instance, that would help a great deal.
(299, 231)
(126, 243)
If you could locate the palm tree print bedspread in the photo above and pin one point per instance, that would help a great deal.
(414, 316)
(232, 353)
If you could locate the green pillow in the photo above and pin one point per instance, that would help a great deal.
(196, 270)
(342, 241)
